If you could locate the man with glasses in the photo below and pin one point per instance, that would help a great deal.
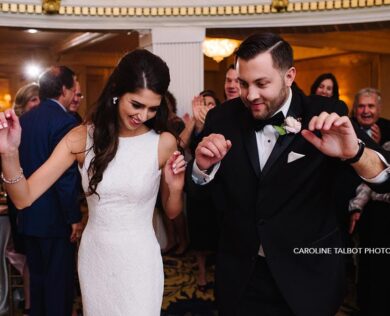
(76, 102)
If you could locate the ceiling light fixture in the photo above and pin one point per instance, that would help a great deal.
(32, 31)
(219, 48)
(33, 71)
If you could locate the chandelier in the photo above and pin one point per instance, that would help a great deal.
(219, 48)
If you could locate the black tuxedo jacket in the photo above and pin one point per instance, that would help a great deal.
(286, 207)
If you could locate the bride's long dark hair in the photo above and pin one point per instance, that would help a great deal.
(138, 69)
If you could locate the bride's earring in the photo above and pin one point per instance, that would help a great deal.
(114, 100)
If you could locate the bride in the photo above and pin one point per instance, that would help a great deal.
(125, 155)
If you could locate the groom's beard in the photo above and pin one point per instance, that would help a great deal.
(264, 108)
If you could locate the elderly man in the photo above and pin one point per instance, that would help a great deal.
(366, 111)
(370, 214)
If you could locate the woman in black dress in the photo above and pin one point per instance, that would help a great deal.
(202, 217)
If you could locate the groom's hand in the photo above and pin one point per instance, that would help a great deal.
(211, 150)
(338, 138)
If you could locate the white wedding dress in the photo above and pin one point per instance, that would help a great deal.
(119, 261)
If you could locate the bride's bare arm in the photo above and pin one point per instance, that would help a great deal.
(172, 179)
(24, 192)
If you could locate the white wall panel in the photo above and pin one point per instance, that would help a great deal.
(181, 50)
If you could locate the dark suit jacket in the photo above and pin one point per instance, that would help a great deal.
(52, 213)
(285, 206)
(384, 126)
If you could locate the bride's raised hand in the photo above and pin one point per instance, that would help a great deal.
(174, 171)
(10, 132)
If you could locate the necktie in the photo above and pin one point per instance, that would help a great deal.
(277, 119)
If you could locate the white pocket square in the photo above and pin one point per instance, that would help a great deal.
(292, 156)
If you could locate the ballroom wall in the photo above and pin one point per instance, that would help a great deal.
(350, 59)
(353, 71)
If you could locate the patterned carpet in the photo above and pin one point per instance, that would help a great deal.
(181, 296)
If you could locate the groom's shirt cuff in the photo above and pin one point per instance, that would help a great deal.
(201, 177)
(384, 175)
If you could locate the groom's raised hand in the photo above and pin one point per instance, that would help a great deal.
(338, 139)
(211, 150)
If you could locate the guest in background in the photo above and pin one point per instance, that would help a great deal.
(326, 85)
(76, 102)
(50, 226)
(346, 180)
(202, 217)
(366, 112)
(176, 229)
(373, 279)
(73, 109)
(26, 98)
(232, 86)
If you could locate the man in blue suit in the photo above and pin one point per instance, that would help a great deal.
(51, 225)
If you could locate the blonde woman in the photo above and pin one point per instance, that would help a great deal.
(26, 98)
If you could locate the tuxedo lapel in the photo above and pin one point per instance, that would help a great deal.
(249, 139)
(284, 141)
(280, 146)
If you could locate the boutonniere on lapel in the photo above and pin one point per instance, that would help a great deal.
(290, 125)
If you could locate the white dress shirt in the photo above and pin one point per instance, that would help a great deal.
(267, 137)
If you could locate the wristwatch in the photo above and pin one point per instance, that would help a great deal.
(358, 155)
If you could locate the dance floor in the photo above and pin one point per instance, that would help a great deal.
(181, 296)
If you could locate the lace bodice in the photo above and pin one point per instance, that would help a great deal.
(129, 186)
(119, 261)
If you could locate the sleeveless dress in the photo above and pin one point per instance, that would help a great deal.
(119, 260)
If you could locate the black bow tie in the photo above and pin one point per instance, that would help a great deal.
(277, 119)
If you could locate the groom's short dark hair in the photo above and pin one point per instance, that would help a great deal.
(280, 50)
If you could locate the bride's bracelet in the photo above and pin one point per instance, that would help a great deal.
(14, 179)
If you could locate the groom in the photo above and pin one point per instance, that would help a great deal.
(270, 181)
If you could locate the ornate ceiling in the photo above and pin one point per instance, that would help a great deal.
(234, 13)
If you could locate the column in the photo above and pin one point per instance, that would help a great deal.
(181, 49)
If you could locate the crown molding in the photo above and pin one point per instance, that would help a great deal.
(250, 15)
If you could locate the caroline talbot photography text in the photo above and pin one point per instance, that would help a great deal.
(342, 251)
